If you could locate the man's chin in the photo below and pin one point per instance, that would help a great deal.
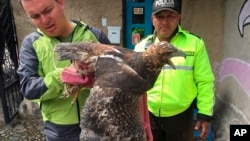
(51, 34)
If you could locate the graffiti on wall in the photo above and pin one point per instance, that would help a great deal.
(230, 109)
(231, 67)
(244, 17)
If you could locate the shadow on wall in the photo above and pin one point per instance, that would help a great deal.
(232, 96)
(226, 114)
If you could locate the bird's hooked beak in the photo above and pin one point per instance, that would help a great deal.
(178, 53)
(172, 51)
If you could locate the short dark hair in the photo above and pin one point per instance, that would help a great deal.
(20, 2)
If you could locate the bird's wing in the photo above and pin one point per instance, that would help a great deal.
(81, 51)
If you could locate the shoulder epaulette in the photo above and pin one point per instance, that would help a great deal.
(194, 34)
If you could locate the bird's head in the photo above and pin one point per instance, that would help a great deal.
(162, 52)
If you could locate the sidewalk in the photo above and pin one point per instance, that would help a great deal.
(21, 129)
(25, 129)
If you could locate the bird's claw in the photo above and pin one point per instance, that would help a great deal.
(70, 90)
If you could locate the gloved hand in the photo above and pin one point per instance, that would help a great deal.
(80, 74)
(75, 77)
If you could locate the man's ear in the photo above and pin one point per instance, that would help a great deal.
(61, 2)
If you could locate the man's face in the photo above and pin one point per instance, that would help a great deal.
(47, 15)
(165, 23)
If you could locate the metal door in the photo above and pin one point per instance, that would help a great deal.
(137, 21)
(9, 82)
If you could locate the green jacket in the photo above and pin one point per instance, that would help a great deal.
(40, 70)
(175, 90)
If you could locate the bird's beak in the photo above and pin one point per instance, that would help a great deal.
(178, 53)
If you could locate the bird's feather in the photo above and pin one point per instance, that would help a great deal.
(111, 111)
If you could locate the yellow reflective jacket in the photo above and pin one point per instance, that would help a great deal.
(175, 90)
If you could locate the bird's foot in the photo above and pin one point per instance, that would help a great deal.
(70, 89)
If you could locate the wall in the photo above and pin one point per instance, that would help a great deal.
(89, 11)
(205, 18)
(223, 26)
(232, 72)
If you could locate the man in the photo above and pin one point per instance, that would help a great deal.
(176, 93)
(40, 71)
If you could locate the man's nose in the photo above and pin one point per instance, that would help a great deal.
(44, 19)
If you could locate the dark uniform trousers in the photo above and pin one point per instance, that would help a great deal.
(176, 128)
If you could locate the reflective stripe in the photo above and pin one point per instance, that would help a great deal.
(167, 67)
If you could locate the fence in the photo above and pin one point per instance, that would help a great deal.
(9, 82)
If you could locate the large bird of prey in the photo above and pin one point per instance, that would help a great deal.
(111, 112)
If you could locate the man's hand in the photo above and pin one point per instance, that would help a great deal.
(204, 126)
(76, 76)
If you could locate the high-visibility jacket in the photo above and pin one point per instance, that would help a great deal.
(40, 71)
(176, 89)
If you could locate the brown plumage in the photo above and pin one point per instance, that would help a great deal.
(111, 111)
